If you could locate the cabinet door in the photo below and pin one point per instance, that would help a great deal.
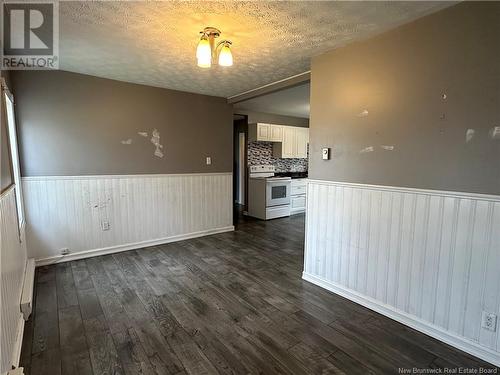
(298, 202)
(302, 139)
(276, 133)
(289, 148)
(263, 132)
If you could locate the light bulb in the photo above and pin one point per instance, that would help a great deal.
(225, 56)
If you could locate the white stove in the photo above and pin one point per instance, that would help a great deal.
(268, 196)
(262, 171)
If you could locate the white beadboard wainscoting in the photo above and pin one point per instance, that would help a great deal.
(429, 259)
(13, 261)
(141, 210)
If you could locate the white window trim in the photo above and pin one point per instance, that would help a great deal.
(14, 156)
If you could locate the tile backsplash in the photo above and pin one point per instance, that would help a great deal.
(261, 153)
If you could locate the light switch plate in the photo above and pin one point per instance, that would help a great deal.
(325, 153)
(209, 160)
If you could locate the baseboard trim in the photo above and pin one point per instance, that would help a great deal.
(436, 332)
(129, 246)
(16, 371)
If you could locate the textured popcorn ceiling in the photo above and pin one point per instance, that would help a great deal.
(154, 43)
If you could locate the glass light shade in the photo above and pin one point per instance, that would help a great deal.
(225, 56)
(204, 53)
(204, 63)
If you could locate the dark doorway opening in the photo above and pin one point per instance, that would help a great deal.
(240, 169)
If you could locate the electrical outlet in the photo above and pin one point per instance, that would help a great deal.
(209, 160)
(489, 321)
(64, 251)
(105, 225)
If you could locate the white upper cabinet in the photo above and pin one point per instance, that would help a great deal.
(288, 146)
(289, 141)
(276, 133)
(265, 132)
(294, 144)
(262, 132)
(301, 140)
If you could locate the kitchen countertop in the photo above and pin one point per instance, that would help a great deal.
(293, 175)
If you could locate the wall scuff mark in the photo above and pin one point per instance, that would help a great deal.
(363, 113)
(102, 205)
(155, 139)
(495, 132)
(387, 147)
(366, 149)
(143, 134)
(127, 142)
(469, 134)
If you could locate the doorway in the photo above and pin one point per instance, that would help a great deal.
(241, 171)
(240, 123)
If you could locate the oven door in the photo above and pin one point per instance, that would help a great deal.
(277, 193)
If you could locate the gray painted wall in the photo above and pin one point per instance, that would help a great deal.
(399, 78)
(73, 124)
(270, 118)
(5, 171)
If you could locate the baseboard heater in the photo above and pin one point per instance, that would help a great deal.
(27, 294)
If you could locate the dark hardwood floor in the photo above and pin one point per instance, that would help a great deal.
(231, 303)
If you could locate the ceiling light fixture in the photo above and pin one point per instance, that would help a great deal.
(208, 53)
